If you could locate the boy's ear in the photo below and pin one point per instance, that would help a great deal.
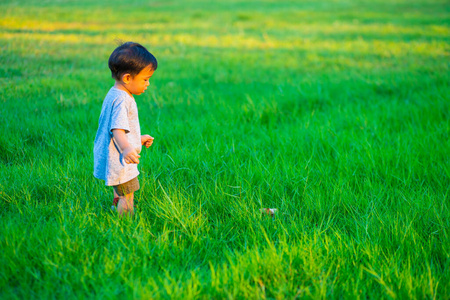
(126, 78)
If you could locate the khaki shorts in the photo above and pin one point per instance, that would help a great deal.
(127, 187)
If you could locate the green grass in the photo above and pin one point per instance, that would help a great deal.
(335, 112)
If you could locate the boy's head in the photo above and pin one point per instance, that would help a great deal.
(130, 58)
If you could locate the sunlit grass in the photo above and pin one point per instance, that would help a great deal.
(377, 47)
(242, 22)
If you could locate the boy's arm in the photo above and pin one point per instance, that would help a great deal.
(130, 155)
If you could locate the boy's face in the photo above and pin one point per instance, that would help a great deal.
(138, 84)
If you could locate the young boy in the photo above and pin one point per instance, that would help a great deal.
(119, 141)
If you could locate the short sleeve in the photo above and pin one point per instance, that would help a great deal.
(119, 116)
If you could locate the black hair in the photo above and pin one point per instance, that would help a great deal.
(130, 58)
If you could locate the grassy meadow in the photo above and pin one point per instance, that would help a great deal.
(337, 113)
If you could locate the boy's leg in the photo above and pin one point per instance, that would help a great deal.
(126, 205)
(125, 196)
(115, 200)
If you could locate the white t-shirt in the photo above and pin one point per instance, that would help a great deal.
(119, 111)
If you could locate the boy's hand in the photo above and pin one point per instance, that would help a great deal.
(130, 155)
(146, 140)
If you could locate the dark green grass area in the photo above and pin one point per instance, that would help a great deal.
(334, 112)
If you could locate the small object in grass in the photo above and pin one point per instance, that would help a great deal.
(269, 211)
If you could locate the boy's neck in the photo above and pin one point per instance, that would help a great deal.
(120, 86)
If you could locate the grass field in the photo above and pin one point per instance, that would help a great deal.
(337, 113)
